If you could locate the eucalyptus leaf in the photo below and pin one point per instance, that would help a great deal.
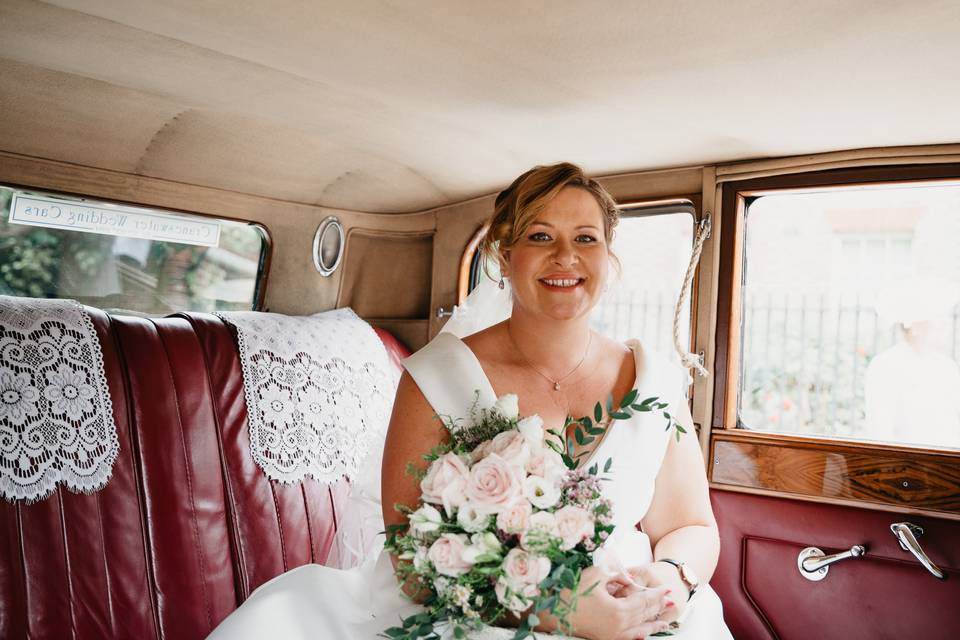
(629, 398)
(607, 465)
(598, 412)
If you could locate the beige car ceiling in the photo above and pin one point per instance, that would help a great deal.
(404, 106)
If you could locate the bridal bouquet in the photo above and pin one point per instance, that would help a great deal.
(506, 523)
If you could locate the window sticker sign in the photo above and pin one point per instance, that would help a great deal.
(112, 220)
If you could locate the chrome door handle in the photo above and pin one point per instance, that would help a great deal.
(814, 564)
(443, 313)
(906, 533)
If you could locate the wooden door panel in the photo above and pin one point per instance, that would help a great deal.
(886, 594)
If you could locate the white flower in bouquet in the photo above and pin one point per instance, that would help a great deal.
(512, 446)
(493, 484)
(522, 572)
(516, 518)
(483, 547)
(420, 559)
(541, 493)
(445, 482)
(532, 429)
(543, 527)
(508, 406)
(446, 554)
(425, 520)
(472, 518)
(573, 525)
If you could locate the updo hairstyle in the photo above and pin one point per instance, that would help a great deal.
(518, 205)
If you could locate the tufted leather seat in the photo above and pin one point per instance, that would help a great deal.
(187, 527)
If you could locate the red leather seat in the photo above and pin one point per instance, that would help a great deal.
(188, 525)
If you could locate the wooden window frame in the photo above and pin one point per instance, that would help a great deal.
(895, 477)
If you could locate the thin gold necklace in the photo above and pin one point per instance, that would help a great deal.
(555, 383)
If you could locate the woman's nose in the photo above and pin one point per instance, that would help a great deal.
(565, 254)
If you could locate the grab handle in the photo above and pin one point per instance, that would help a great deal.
(906, 533)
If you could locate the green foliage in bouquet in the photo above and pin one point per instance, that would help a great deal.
(481, 590)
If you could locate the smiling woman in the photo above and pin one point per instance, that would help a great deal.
(807, 152)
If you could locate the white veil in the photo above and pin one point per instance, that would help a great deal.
(486, 305)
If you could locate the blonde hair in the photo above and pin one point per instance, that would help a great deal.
(518, 205)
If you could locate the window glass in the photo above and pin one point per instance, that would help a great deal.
(654, 250)
(850, 321)
(653, 247)
(126, 258)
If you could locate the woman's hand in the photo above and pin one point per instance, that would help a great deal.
(659, 575)
(618, 609)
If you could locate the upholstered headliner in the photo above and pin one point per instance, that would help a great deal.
(402, 106)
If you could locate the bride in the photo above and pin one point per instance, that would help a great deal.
(550, 232)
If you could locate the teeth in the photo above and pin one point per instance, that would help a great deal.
(562, 283)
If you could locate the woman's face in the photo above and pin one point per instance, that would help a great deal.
(558, 268)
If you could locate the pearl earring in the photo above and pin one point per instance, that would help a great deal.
(501, 285)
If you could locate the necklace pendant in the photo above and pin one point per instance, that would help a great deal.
(556, 386)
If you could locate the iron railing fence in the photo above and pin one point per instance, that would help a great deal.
(804, 355)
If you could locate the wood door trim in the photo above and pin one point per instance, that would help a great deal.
(896, 477)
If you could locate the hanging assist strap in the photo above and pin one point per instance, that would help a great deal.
(691, 360)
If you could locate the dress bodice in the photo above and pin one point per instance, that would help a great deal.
(452, 380)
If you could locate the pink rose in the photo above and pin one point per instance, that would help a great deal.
(573, 524)
(524, 571)
(493, 484)
(445, 482)
(480, 452)
(547, 464)
(516, 518)
(512, 447)
(446, 554)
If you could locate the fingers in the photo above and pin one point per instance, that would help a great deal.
(646, 604)
(649, 628)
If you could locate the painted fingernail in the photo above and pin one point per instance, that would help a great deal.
(670, 603)
(669, 591)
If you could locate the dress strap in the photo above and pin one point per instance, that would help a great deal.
(450, 377)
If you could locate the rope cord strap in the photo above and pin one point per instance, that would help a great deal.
(691, 360)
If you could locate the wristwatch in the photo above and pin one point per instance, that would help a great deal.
(686, 574)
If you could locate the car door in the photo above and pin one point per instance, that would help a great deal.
(834, 426)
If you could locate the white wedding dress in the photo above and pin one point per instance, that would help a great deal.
(313, 602)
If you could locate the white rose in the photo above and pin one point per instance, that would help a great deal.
(541, 493)
(482, 544)
(508, 406)
(472, 518)
(573, 524)
(493, 484)
(532, 429)
(516, 518)
(425, 520)
(512, 447)
(512, 596)
(543, 526)
(446, 554)
(445, 482)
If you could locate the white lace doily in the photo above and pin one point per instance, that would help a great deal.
(56, 418)
(319, 390)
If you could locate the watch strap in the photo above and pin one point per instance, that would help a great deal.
(692, 586)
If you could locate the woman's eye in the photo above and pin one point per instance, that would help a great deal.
(539, 236)
(586, 238)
